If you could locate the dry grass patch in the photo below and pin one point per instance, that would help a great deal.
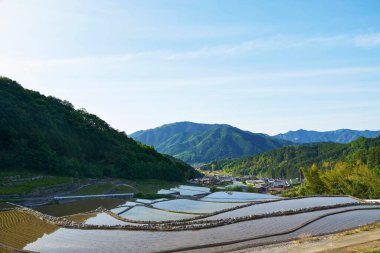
(359, 229)
(303, 238)
(80, 217)
(368, 247)
(17, 228)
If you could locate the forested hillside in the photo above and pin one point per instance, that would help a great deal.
(288, 161)
(47, 135)
(201, 143)
(344, 178)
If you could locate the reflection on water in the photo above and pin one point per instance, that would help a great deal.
(106, 219)
(194, 206)
(74, 240)
(142, 213)
(291, 204)
(238, 197)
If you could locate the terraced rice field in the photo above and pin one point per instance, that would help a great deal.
(238, 197)
(327, 225)
(284, 205)
(187, 190)
(105, 219)
(19, 228)
(64, 240)
(80, 217)
(118, 210)
(194, 206)
(142, 213)
(79, 206)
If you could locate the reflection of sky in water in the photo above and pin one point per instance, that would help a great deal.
(75, 240)
(142, 213)
(238, 197)
(284, 205)
(118, 210)
(187, 192)
(194, 206)
(105, 219)
(195, 188)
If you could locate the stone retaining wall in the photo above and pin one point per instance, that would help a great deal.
(216, 212)
(181, 226)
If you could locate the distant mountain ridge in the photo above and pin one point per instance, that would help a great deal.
(197, 143)
(338, 136)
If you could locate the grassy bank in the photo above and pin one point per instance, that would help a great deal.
(148, 186)
(28, 184)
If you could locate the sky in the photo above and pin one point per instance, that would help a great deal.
(264, 66)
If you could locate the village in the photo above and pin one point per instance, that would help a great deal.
(247, 183)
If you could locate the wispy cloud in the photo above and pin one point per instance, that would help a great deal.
(369, 40)
(224, 50)
(280, 42)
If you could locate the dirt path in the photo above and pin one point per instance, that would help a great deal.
(348, 243)
(359, 242)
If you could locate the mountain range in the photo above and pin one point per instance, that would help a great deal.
(202, 143)
(47, 135)
(338, 136)
(198, 144)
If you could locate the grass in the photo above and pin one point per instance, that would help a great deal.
(102, 188)
(147, 186)
(17, 229)
(6, 205)
(309, 238)
(29, 186)
(153, 185)
(124, 189)
(359, 229)
(373, 251)
(80, 217)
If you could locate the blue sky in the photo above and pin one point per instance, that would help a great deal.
(263, 66)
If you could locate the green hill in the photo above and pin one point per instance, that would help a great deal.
(201, 143)
(287, 161)
(338, 136)
(47, 135)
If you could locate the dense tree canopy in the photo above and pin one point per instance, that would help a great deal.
(353, 179)
(289, 161)
(46, 134)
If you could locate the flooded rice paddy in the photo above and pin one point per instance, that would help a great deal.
(142, 213)
(64, 240)
(124, 226)
(194, 206)
(238, 197)
(187, 190)
(105, 219)
(284, 205)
